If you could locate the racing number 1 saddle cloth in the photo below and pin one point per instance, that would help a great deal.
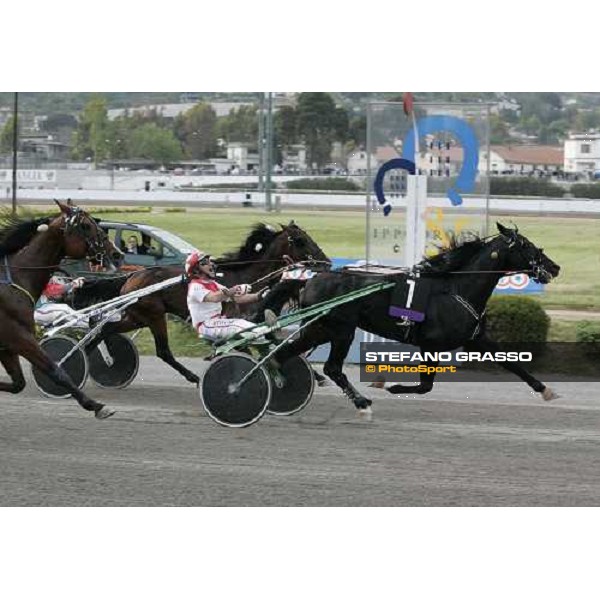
(410, 298)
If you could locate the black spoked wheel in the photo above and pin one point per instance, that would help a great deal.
(228, 403)
(114, 362)
(293, 385)
(76, 366)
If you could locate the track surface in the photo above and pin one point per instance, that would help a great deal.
(465, 444)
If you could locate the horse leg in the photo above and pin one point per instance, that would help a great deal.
(424, 387)
(12, 365)
(485, 344)
(320, 379)
(29, 349)
(158, 327)
(340, 347)
(318, 334)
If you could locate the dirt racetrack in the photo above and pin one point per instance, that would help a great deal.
(465, 444)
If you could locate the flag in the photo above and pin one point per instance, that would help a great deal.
(408, 101)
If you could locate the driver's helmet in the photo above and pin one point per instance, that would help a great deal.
(193, 260)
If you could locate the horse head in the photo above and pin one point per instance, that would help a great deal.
(294, 242)
(83, 237)
(518, 254)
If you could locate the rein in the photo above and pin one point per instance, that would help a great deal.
(288, 268)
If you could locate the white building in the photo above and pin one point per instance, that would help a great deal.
(582, 153)
(241, 159)
(294, 158)
(523, 159)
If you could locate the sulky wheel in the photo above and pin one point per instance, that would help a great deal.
(229, 404)
(114, 362)
(57, 347)
(293, 384)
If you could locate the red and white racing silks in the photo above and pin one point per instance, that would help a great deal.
(206, 316)
(200, 310)
(222, 327)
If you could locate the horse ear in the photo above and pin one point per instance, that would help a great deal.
(283, 227)
(504, 230)
(63, 207)
(291, 223)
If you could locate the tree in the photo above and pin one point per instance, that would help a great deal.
(499, 133)
(90, 141)
(6, 137)
(319, 124)
(357, 131)
(150, 141)
(586, 120)
(196, 129)
(118, 135)
(240, 125)
(285, 123)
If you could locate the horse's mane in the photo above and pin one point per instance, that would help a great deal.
(250, 250)
(459, 251)
(16, 231)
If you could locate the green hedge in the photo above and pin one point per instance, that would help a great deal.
(588, 332)
(517, 319)
(327, 183)
(586, 190)
(525, 186)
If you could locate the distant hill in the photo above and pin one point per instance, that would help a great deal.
(73, 102)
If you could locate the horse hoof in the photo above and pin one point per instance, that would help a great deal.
(104, 413)
(366, 413)
(548, 394)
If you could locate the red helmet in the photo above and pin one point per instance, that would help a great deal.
(193, 260)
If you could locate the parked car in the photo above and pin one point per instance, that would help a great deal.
(142, 246)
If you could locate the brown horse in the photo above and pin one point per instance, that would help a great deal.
(30, 250)
(264, 252)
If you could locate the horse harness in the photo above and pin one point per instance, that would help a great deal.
(7, 279)
(469, 308)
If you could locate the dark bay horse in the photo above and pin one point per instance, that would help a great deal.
(30, 250)
(265, 251)
(462, 279)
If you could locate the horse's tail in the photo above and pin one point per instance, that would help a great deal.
(98, 290)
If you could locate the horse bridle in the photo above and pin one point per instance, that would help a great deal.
(308, 258)
(536, 269)
(96, 250)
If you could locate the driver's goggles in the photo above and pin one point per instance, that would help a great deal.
(205, 261)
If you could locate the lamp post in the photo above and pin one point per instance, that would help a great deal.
(261, 143)
(14, 157)
(269, 137)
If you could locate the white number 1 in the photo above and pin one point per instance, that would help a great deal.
(411, 292)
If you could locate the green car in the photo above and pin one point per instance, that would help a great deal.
(142, 246)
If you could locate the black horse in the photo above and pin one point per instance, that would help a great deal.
(265, 251)
(463, 278)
